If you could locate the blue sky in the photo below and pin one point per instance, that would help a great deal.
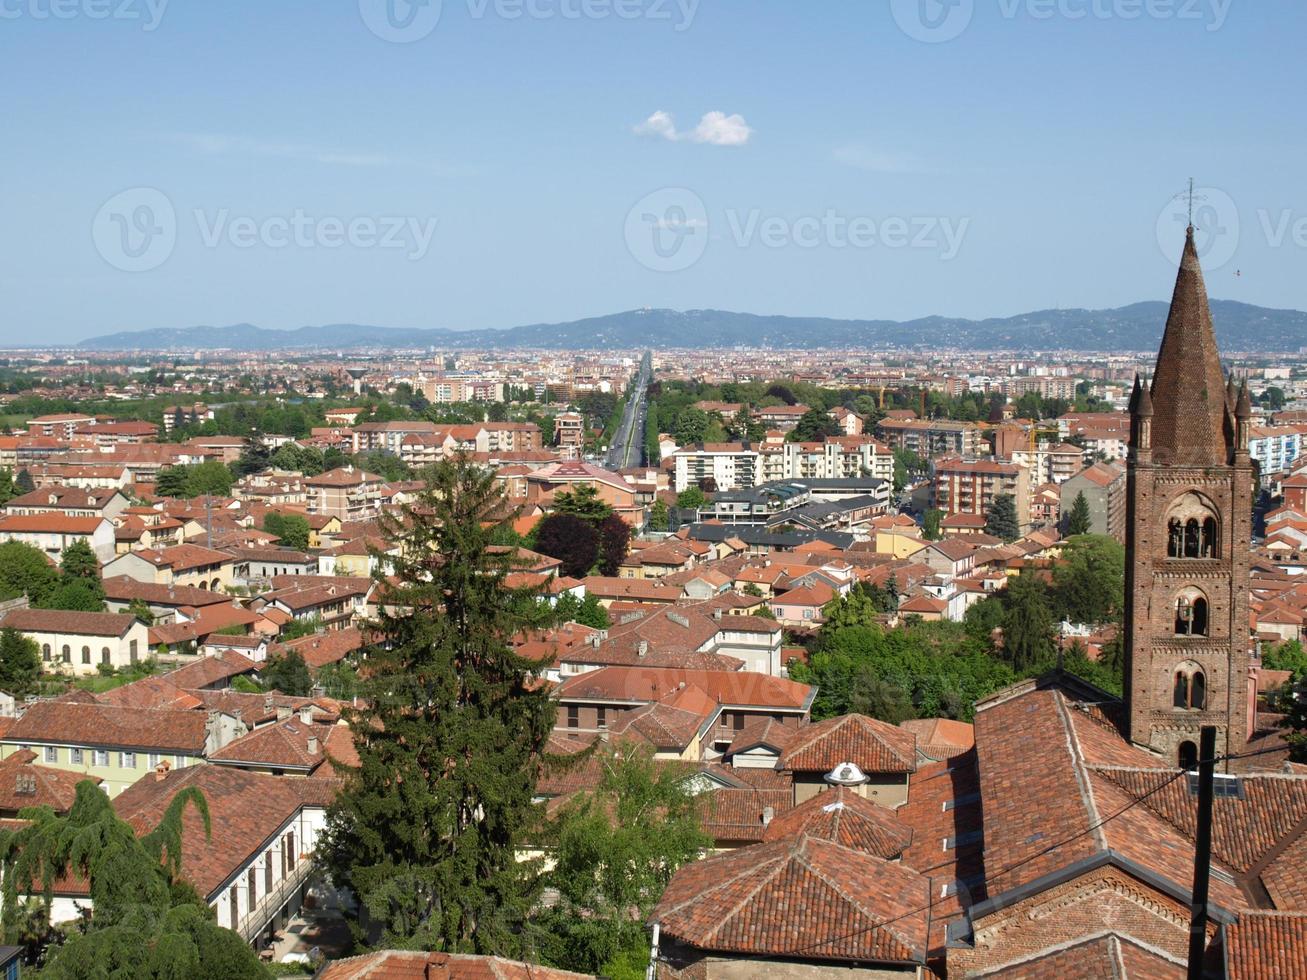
(296, 168)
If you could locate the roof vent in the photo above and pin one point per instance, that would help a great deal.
(642, 648)
(846, 774)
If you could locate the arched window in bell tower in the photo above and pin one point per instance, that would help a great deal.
(1191, 613)
(1189, 687)
(1192, 529)
(1187, 757)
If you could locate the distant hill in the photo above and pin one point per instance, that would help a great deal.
(1239, 327)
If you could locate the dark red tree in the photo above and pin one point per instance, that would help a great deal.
(571, 540)
(614, 539)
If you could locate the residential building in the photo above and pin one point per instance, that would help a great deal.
(347, 493)
(51, 532)
(932, 438)
(81, 642)
(963, 486)
(184, 564)
(1104, 489)
(729, 465)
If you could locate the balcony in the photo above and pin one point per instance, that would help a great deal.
(255, 921)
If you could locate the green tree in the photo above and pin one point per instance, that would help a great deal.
(593, 614)
(8, 489)
(583, 502)
(292, 529)
(173, 481)
(1078, 520)
(209, 477)
(615, 850)
(1027, 624)
(20, 663)
(691, 498)
(149, 922)
(813, 426)
(659, 518)
(25, 571)
(691, 426)
(79, 595)
(23, 482)
(1002, 521)
(288, 674)
(1089, 582)
(1286, 656)
(300, 627)
(451, 730)
(930, 524)
(78, 561)
(141, 610)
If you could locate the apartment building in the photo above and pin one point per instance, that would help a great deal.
(388, 436)
(1104, 487)
(347, 493)
(730, 465)
(963, 486)
(58, 426)
(52, 532)
(838, 458)
(1276, 448)
(931, 438)
(1051, 463)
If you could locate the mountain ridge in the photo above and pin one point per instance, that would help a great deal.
(1138, 326)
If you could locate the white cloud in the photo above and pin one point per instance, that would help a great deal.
(715, 129)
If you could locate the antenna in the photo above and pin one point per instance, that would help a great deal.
(1190, 197)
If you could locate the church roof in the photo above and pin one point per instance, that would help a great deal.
(1188, 392)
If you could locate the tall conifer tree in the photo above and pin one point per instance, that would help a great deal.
(452, 736)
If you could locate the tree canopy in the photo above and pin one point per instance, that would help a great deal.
(1002, 521)
(1078, 520)
(452, 729)
(572, 540)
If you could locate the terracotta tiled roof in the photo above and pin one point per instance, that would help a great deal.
(65, 621)
(738, 815)
(245, 808)
(110, 726)
(288, 744)
(24, 784)
(743, 688)
(150, 692)
(854, 906)
(663, 726)
(414, 965)
(872, 745)
(841, 815)
(1266, 946)
(320, 649)
(759, 732)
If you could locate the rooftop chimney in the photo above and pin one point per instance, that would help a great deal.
(767, 814)
(306, 714)
(642, 648)
(283, 712)
(313, 745)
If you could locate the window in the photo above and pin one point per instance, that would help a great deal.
(267, 872)
(101, 757)
(252, 882)
(573, 716)
(1192, 530)
(132, 647)
(67, 654)
(126, 760)
(1191, 614)
(86, 655)
(155, 758)
(601, 715)
(75, 756)
(51, 754)
(1190, 689)
(1188, 755)
(105, 657)
(235, 908)
(45, 652)
(290, 849)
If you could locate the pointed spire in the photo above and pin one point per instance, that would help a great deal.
(1231, 392)
(1188, 388)
(1141, 404)
(1244, 407)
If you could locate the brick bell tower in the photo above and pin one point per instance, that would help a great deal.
(1188, 534)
